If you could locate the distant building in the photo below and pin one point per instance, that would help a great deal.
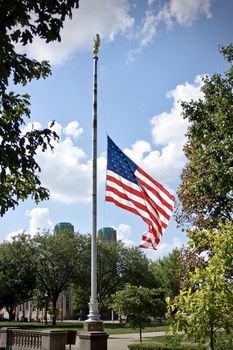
(107, 234)
(63, 227)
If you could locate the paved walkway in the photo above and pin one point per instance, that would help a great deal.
(121, 341)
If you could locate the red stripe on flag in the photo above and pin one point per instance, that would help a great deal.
(124, 206)
(126, 193)
(157, 184)
(138, 206)
(156, 190)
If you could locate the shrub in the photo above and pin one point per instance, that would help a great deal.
(224, 341)
(153, 346)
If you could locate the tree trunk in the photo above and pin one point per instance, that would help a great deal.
(11, 313)
(54, 316)
(140, 327)
(211, 338)
(46, 311)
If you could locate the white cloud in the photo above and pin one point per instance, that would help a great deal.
(168, 130)
(124, 234)
(57, 128)
(65, 174)
(106, 17)
(39, 220)
(165, 165)
(146, 34)
(171, 126)
(148, 30)
(182, 12)
(137, 151)
(164, 249)
(101, 169)
(150, 2)
(109, 18)
(30, 126)
(185, 12)
(10, 236)
(66, 171)
(73, 129)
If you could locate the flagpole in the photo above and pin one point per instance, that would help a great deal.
(94, 336)
(93, 316)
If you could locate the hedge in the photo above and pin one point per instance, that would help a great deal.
(151, 346)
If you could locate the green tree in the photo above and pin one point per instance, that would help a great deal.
(17, 274)
(109, 269)
(21, 22)
(206, 307)
(40, 301)
(136, 269)
(205, 192)
(116, 266)
(189, 258)
(165, 271)
(56, 262)
(81, 287)
(139, 303)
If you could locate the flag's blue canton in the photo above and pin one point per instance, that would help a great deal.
(119, 163)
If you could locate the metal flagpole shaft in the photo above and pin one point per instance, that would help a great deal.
(94, 336)
(93, 305)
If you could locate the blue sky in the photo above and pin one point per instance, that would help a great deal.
(152, 55)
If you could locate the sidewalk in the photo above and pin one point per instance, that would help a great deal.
(121, 341)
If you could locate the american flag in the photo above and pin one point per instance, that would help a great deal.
(130, 188)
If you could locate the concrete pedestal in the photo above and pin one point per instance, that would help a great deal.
(93, 326)
(53, 340)
(93, 340)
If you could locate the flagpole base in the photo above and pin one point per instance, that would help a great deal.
(93, 326)
(93, 336)
(93, 340)
(93, 323)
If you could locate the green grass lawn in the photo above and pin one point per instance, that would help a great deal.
(129, 329)
(110, 328)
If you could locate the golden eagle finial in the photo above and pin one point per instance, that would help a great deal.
(96, 45)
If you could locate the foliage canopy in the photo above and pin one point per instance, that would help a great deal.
(206, 186)
(55, 262)
(20, 23)
(165, 271)
(116, 266)
(139, 303)
(205, 306)
(17, 275)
